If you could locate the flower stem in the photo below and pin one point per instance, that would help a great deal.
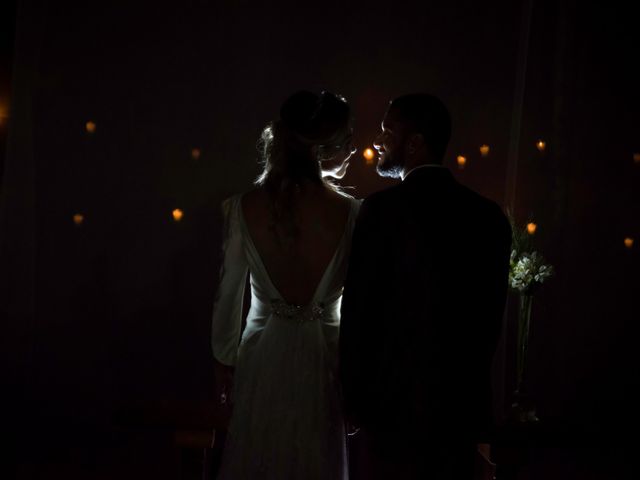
(524, 319)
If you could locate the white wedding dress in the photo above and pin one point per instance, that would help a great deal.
(287, 422)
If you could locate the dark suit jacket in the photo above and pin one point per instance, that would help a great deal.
(422, 309)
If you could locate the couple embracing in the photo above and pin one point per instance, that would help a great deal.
(374, 321)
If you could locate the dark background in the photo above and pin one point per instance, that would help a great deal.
(106, 344)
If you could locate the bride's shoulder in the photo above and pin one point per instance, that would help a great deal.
(354, 202)
(254, 205)
(244, 202)
(346, 206)
(343, 202)
(346, 198)
(254, 197)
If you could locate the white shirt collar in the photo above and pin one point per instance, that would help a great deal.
(422, 166)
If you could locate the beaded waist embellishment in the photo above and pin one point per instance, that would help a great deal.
(297, 313)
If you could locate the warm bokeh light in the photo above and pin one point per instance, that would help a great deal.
(531, 228)
(541, 145)
(628, 242)
(90, 126)
(484, 150)
(177, 214)
(4, 114)
(636, 157)
(462, 161)
(369, 155)
(78, 218)
(195, 153)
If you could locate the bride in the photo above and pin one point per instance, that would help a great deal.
(292, 235)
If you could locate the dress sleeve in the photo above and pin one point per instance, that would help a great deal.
(227, 311)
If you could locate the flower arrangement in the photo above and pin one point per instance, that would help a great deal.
(528, 271)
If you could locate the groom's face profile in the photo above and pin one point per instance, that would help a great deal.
(390, 146)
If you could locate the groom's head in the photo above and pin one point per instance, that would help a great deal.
(415, 131)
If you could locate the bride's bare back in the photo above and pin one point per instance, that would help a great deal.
(296, 266)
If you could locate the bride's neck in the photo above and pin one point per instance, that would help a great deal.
(302, 187)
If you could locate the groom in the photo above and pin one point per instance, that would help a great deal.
(422, 306)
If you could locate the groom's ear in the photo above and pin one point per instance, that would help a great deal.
(415, 142)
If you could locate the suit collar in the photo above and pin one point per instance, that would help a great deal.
(420, 167)
(427, 172)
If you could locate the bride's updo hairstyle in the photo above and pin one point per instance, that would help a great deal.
(286, 145)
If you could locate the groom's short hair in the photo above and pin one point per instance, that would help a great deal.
(427, 115)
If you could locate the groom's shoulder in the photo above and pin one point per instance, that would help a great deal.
(382, 199)
(485, 204)
(485, 210)
(386, 195)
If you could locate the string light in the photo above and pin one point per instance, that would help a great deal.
(531, 228)
(368, 155)
(4, 114)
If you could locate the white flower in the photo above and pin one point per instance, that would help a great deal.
(527, 270)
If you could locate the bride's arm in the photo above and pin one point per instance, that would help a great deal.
(227, 311)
